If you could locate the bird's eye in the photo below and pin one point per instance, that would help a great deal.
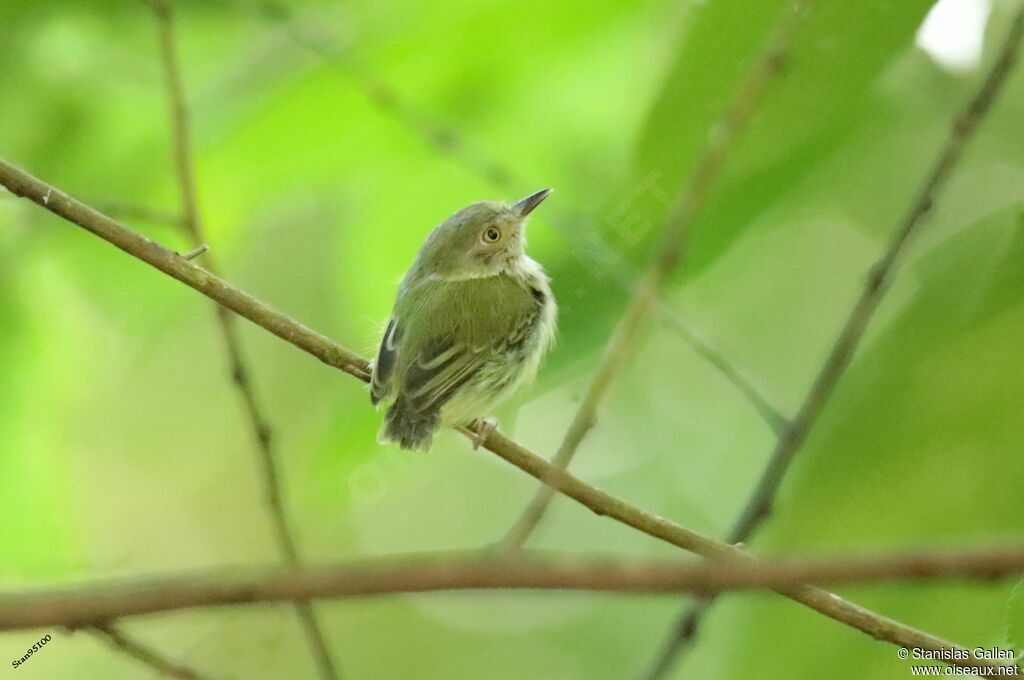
(491, 234)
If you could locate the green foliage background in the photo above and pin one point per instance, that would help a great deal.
(123, 449)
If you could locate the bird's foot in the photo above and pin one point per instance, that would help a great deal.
(484, 428)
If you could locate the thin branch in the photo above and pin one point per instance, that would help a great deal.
(877, 284)
(759, 507)
(118, 640)
(59, 203)
(91, 605)
(768, 412)
(262, 433)
(443, 138)
(620, 348)
(448, 141)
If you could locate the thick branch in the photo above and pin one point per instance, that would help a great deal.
(620, 347)
(94, 604)
(759, 507)
(22, 184)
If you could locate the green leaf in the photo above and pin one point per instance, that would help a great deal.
(809, 111)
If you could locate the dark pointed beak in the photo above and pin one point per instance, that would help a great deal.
(526, 206)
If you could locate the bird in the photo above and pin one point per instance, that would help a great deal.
(472, 320)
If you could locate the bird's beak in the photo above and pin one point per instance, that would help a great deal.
(526, 206)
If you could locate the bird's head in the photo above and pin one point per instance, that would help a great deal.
(480, 240)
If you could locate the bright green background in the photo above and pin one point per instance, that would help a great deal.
(123, 449)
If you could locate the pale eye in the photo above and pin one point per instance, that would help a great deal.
(491, 235)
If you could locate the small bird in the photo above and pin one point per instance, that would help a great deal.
(473, 318)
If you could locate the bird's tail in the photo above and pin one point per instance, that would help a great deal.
(409, 428)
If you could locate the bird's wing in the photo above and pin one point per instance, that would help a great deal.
(438, 371)
(425, 370)
(384, 366)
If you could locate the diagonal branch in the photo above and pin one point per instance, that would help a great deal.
(760, 505)
(91, 604)
(261, 431)
(118, 640)
(771, 415)
(22, 184)
(621, 346)
(589, 249)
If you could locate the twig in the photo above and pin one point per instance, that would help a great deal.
(59, 203)
(126, 645)
(196, 252)
(621, 346)
(768, 412)
(445, 139)
(262, 433)
(759, 507)
(448, 141)
(90, 605)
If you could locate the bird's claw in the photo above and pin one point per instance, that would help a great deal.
(483, 430)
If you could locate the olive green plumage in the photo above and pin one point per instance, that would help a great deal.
(472, 320)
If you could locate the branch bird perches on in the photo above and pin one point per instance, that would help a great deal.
(601, 503)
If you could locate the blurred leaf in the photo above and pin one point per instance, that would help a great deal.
(808, 111)
(935, 391)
